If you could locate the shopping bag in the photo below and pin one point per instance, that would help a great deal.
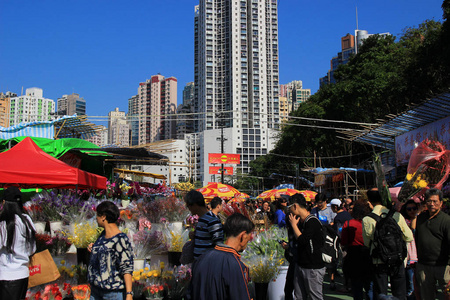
(42, 269)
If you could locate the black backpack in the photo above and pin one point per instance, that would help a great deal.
(388, 242)
(330, 249)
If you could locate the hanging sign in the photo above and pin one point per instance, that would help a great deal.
(222, 158)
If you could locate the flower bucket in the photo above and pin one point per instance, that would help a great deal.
(83, 256)
(174, 258)
(55, 226)
(261, 290)
(139, 264)
(40, 227)
(276, 286)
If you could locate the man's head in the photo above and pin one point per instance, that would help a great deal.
(266, 206)
(238, 230)
(335, 204)
(194, 201)
(433, 199)
(374, 196)
(299, 207)
(321, 200)
(216, 204)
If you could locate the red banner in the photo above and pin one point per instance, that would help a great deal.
(216, 170)
(222, 158)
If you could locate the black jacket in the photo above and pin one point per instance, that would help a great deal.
(310, 243)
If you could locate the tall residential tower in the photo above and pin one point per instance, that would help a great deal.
(236, 74)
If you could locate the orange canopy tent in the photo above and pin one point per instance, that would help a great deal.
(215, 189)
(27, 166)
(273, 194)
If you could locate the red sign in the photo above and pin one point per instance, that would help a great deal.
(222, 158)
(216, 170)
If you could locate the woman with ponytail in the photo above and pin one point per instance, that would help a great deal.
(17, 244)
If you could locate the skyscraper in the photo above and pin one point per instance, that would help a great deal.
(185, 118)
(71, 104)
(133, 119)
(236, 73)
(157, 107)
(295, 93)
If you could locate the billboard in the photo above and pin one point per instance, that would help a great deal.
(216, 170)
(223, 158)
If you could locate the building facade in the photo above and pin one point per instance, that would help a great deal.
(157, 104)
(101, 138)
(185, 116)
(5, 100)
(118, 128)
(71, 104)
(295, 94)
(133, 119)
(236, 73)
(31, 107)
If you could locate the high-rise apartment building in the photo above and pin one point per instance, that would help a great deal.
(133, 119)
(5, 100)
(118, 128)
(31, 107)
(100, 138)
(349, 45)
(236, 73)
(295, 94)
(185, 117)
(71, 104)
(157, 106)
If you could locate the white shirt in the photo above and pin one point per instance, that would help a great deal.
(14, 265)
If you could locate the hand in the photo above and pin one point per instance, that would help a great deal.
(284, 245)
(293, 219)
(89, 247)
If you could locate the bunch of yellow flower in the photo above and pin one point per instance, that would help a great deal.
(264, 268)
(419, 180)
(66, 272)
(184, 186)
(146, 273)
(177, 242)
(83, 234)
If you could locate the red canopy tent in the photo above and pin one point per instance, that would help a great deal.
(27, 166)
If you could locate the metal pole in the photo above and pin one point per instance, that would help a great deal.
(221, 151)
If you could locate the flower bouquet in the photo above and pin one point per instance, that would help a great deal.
(154, 291)
(264, 255)
(429, 166)
(35, 212)
(171, 208)
(81, 292)
(83, 233)
(147, 242)
(177, 280)
(58, 244)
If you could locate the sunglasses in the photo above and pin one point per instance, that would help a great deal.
(289, 206)
(411, 208)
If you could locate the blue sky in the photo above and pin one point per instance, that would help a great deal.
(103, 49)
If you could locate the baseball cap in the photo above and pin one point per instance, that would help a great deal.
(336, 202)
(12, 194)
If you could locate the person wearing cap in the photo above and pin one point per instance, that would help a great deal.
(342, 215)
(17, 244)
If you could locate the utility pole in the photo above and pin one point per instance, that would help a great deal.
(222, 144)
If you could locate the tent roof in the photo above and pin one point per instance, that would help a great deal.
(384, 134)
(26, 165)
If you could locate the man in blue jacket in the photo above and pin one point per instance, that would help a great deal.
(219, 274)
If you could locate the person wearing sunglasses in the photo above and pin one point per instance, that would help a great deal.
(410, 211)
(433, 246)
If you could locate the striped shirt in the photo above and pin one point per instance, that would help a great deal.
(208, 233)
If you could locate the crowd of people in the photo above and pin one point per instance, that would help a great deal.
(379, 248)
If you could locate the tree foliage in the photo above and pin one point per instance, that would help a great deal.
(383, 78)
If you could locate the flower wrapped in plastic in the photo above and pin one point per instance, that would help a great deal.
(264, 254)
(81, 292)
(170, 208)
(83, 233)
(263, 268)
(147, 242)
(177, 280)
(154, 291)
(429, 166)
(176, 237)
